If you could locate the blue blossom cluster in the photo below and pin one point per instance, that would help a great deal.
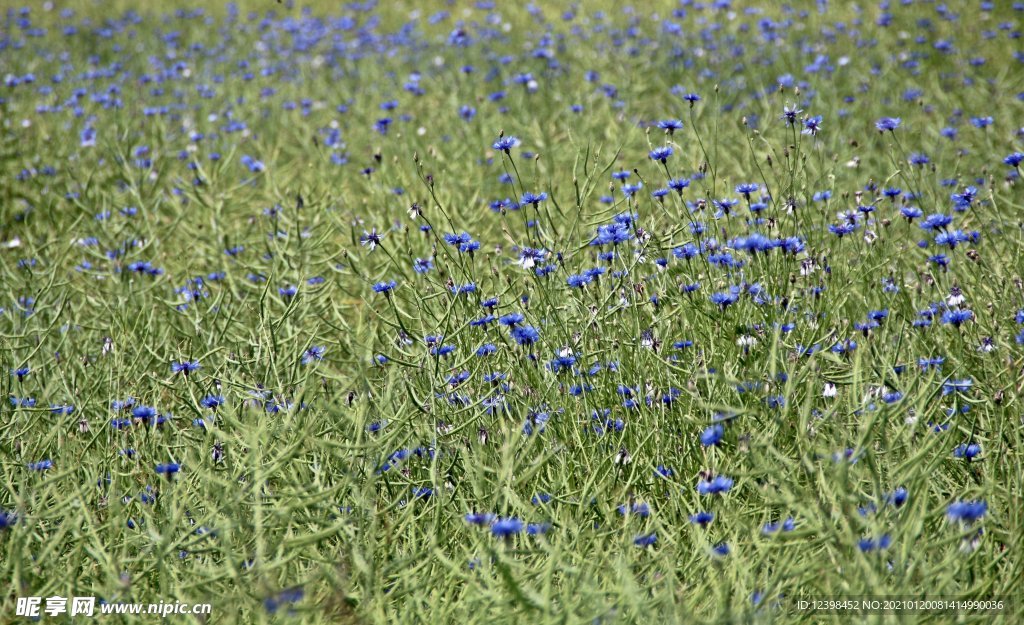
(752, 288)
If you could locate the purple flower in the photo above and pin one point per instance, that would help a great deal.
(505, 144)
(966, 511)
(716, 485)
(506, 528)
(661, 154)
(888, 123)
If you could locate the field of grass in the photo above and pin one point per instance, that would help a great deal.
(474, 312)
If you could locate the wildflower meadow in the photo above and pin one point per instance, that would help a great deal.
(487, 312)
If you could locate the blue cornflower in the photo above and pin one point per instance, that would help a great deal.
(678, 184)
(612, 234)
(645, 540)
(88, 137)
(718, 484)
(185, 367)
(640, 509)
(505, 144)
(290, 595)
(287, 291)
(562, 362)
(670, 125)
(536, 529)
(936, 221)
(888, 123)
(578, 280)
(7, 519)
(212, 401)
(525, 335)
(966, 511)
(952, 239)
(812, 125)
(790, 114)
(371, 239)
(702, 518)
(968, 452)
(457, 239)
(483, 321)
(724, 300)
(712, 435)
(506, 528)
(314, 353)
(747, 188)
(442, 350)
(787, 525)
(630, 189)
(540, 498)
(868, 545)
(533, 198)
(42, 465)
(479, 518)
(168, 469)
(843, 229)
(144, 412)
(385, 287)
(21, 372)
(957, 317)
(897, 498)
(423, 265)
(957, 386)
(661, 154)
(254, 165)
(725, 205)
(511, 319)
(1015, 159)
(125, 404)
(911, 212)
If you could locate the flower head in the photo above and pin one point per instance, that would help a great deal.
(661, 154)
(888, 123)
(716, 485)
(966, 511)
(385, 287)
(505, 144)
(812, 125)
(506, 528)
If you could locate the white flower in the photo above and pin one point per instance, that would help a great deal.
(829, 390)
